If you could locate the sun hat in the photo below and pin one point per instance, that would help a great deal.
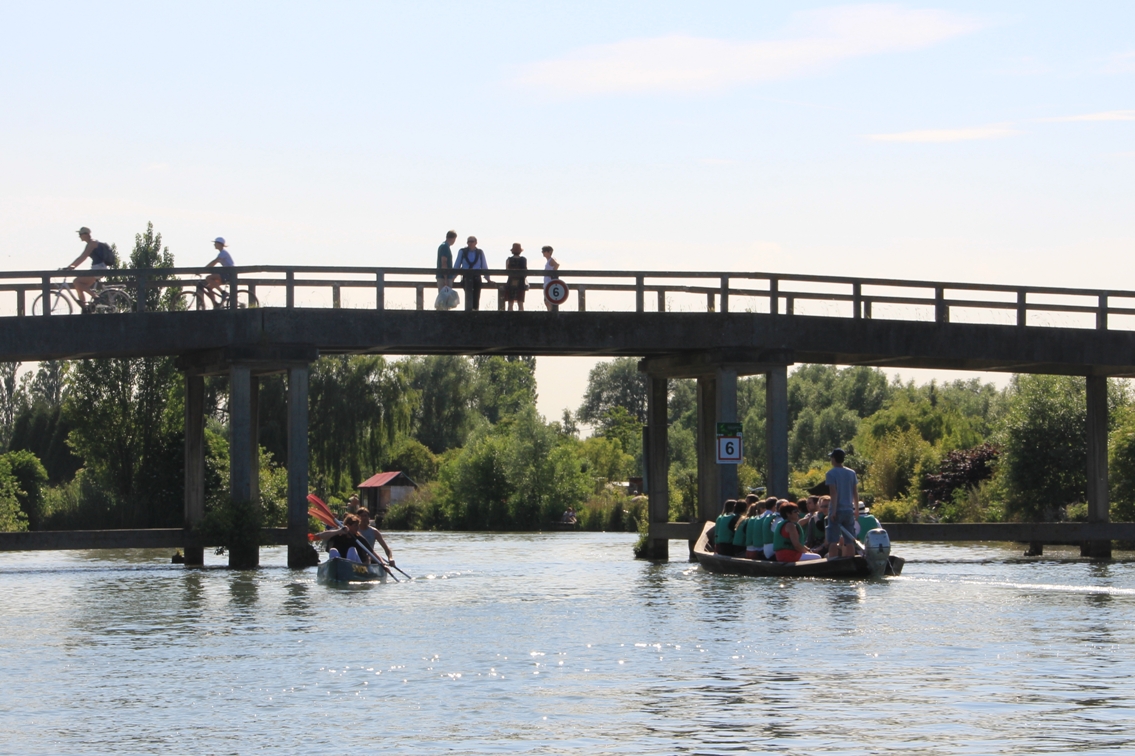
(84, 230)
(219, 240)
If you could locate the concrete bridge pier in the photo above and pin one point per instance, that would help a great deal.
(1098, 504)
(244, 366)
(716, 373)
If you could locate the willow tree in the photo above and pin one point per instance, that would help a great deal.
(359, 405)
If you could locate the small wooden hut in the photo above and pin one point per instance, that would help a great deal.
(378, 492)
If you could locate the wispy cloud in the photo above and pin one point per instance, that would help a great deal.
(1108, 115)
(679, 63)
(947, 135)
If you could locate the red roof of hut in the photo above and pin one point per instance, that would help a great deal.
(397, 478)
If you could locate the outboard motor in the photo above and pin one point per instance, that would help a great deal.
(877, 551)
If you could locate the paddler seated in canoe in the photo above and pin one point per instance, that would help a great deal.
(344, 542)
(815, 524)
(786, 538)
(370, 534)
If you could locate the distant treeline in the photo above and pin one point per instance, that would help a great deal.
(99, 443)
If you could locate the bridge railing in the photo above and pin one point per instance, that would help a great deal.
(22, 293)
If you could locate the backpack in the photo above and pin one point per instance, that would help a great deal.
(102, 255)
(468, 261)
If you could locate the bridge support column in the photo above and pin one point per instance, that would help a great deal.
(709, 485)
(776, 430)
(300, 553)
(194, 466)
(1098, 505)
(658, 462)
(726, 379)
(242, 462)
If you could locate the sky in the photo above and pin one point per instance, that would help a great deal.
(968, 141)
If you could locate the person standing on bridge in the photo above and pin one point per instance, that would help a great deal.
(445, 261)
(551, 265)
(844, 487)
(472, 259)
(516, 285)
(102, 256)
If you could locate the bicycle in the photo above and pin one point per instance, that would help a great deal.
(200, 299)
(104, 298)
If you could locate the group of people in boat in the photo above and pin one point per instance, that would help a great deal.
(357, 532)
(784, 531)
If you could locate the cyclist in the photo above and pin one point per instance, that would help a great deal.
(213, 281)
(101, 258)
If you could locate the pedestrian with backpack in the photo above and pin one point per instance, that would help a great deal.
(471, 259)
(102, 257)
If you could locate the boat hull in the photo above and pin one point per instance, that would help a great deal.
(846, 567)
(340, 570)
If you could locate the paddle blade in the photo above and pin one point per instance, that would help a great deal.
(317, 514)
(321, 506)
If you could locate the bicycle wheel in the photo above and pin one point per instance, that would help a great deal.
(60, 305)
(113, 300)
(245, 298)
(187, 300)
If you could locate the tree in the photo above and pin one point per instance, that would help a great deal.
(12, 517)
(31, 480)
(505, 386)
(445, 386)
(359, 406)
(9, 401)
(1044, 442)
(617, 383)
(961, 469)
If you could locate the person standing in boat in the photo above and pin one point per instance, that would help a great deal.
(344, 542)
(370, 534)
(844, 488)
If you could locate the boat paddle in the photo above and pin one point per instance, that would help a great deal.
(323, 513)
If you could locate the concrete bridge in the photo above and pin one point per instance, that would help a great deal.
(709, 326)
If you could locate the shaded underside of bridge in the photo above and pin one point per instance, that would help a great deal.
(740, 337)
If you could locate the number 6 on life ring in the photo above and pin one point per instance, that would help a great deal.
(556, 291)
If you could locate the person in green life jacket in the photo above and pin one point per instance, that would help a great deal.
(723, 531)
(787, 535)
(866, 522)
(767, 520)
(742, 541)
(754, 535)
(748, 514)
(815, 524)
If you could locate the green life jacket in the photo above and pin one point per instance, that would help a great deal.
(780, 542)
(753, 532)
(724, 531)
(866, 522)
(766, 528)
(739, 533)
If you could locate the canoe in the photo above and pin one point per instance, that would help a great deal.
(844, 567)
(338, 570)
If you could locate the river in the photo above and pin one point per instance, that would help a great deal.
(562, 643)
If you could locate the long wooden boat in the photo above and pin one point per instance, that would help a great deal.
(843, 567)
(339, 570)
